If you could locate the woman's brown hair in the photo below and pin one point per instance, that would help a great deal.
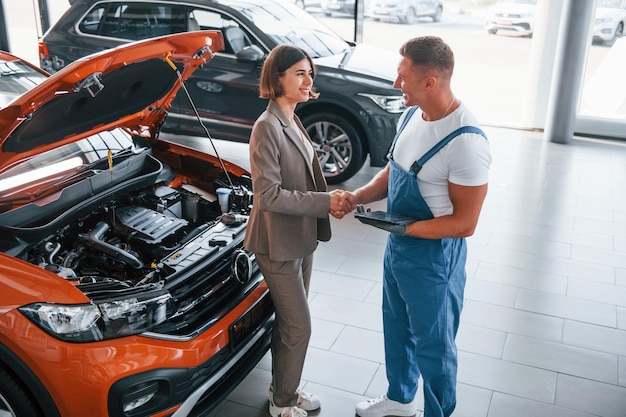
(277, 62)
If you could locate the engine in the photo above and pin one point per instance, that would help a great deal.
(131, 240)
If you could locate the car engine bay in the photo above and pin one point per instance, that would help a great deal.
(135, 240)
(143, 230)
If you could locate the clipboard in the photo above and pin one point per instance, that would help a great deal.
(375, 218)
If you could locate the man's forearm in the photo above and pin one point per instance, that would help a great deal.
(374, 190)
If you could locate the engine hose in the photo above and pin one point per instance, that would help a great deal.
(95, 240)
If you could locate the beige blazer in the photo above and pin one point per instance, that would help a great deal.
(290, 205)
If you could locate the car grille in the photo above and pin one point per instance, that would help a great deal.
(204, 284)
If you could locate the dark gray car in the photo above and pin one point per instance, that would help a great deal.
(354, 117)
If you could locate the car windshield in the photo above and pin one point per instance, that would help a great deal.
(15, 79)
(74, 160)
(294, 26)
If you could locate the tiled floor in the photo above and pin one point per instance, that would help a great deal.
(543, 330)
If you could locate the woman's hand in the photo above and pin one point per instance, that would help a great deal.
(341, 203)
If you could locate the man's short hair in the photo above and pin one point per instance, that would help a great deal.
(430, 52)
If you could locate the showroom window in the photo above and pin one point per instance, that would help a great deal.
(504, 72)
(604, 88)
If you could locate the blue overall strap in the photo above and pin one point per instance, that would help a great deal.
(409, 113)
(417, 165)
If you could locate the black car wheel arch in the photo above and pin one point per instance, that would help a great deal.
(437, 16)
(411, 17)
(619, 32)
(22, 390)
(15, 401)
(337, 143)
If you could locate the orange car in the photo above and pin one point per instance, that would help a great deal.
(124, 290)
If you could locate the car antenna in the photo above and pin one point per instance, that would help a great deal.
(195, 110)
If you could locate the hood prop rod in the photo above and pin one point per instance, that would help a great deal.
(195, 110)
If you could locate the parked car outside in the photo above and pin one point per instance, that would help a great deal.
(409, 11)
(610, 19)
(304, 4)
(331, 7)
(124, 291)
(511, 16)
(355, 115)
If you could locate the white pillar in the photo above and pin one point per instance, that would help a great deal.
(569, 65)
(542, 53)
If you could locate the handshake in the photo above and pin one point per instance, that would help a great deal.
(341, 203)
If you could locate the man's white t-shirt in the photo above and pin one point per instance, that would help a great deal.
(463, 161)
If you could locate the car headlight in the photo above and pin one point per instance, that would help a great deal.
(105, 319)
(391, 104)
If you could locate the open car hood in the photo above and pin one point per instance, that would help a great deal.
(131, 86)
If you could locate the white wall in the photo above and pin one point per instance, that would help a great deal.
(23, 28)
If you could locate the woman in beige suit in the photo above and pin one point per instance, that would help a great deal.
(290, 215)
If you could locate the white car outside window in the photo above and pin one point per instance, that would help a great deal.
(610, 20)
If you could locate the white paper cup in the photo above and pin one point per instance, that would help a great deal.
(223, 197)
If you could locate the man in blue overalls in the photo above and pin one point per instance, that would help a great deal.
(438, 173)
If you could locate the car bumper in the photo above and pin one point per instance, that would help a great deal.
(191, 375)
(398, 13)
(384, 14)
(380, 129)
(520, 27)
(338, 8)
(604, 33)
(384, 128)
(219, 385)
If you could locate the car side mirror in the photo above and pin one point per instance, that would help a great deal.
(250, 53)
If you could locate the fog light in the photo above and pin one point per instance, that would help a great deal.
(139, 396)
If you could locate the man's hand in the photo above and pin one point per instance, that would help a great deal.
(396, 229)
(341, 203)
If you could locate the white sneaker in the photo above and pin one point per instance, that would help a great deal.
(383, 406)
(286, 411)
(306, 401)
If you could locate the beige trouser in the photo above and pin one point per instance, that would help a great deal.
(289, 287)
